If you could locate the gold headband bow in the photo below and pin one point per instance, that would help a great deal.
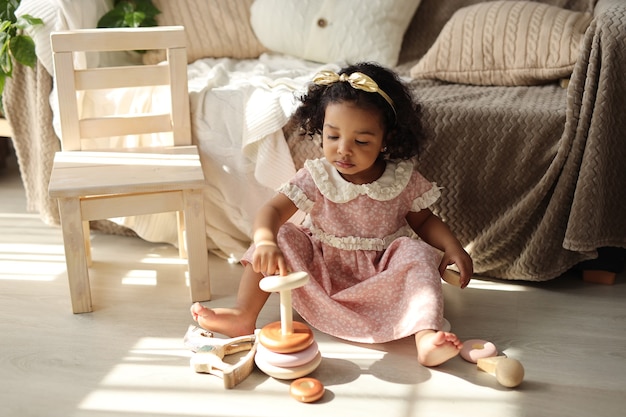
(357, 80)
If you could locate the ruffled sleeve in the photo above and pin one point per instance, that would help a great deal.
(427, 199)
(295, 194)
(301, 190)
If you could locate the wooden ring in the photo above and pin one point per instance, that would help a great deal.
(288, 360)
(475, 349)
(276, 283)
(272, 337)
(306, 390)
(288, 373)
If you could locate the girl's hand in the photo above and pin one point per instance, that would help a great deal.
(268, 259)
(462, 260)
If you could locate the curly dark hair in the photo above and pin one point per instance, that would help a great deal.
(403, 129)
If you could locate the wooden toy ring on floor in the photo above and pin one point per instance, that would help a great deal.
(288, 373)
(306, 390)
(475, 349)
(288, 360)
(272, 337)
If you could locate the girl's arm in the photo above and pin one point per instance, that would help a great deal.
(436, 233)
(267, 257)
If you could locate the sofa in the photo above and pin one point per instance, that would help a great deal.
(522, 105)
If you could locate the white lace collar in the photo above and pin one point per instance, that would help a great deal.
(332, 185)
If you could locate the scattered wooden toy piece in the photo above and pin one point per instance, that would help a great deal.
(508, 372)
(475, 349)
(306, 390)
(452, 278)
(599, 277)
(210, 352)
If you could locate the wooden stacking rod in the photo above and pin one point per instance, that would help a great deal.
(92, 179)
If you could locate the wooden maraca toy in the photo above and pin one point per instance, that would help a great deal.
(508, 372)
(287, 349)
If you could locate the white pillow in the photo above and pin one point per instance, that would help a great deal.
(334, 31)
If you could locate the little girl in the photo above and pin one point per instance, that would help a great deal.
(373, 250)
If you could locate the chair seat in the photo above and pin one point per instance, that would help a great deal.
(125, 172)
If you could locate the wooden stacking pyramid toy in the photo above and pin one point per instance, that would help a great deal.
(287, 349)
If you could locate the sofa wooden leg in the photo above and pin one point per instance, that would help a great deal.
(599, 277)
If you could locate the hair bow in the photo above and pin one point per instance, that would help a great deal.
(357, 80)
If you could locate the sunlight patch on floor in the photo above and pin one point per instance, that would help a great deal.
(161, 260)
(145, 277)
(31, 262)
(155, 377)
(496, 286)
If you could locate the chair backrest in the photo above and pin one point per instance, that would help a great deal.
(81, 133)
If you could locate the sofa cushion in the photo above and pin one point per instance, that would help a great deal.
(334, 31)
(505, 43)
(215, 28)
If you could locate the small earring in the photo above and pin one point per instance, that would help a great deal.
(383, 150)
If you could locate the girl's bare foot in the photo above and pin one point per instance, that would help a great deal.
(230, 322)
(435, 348)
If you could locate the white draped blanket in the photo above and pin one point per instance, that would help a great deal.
(238, 110)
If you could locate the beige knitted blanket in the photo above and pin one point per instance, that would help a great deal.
(26, 100)
(532, 186)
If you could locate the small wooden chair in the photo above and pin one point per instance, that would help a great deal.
(115, 182)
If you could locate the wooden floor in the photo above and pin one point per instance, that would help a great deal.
(127, 358)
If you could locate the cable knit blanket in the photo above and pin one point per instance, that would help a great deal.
(531, 186)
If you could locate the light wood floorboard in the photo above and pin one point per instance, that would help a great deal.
(127, 357)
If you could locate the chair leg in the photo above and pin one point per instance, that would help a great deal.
(198, 255)
(75, 256)
(182, 240)
(86, 234)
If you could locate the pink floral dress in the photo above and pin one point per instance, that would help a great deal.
(371, 279)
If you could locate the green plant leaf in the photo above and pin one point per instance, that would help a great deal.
(112, 19)
(7, 9)
(14, 45)
(130, 13)
(6, 64)
(147, 7)
(27, 20)
(4, 54)
(23, 50)
(135, 19)
(5, 27)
